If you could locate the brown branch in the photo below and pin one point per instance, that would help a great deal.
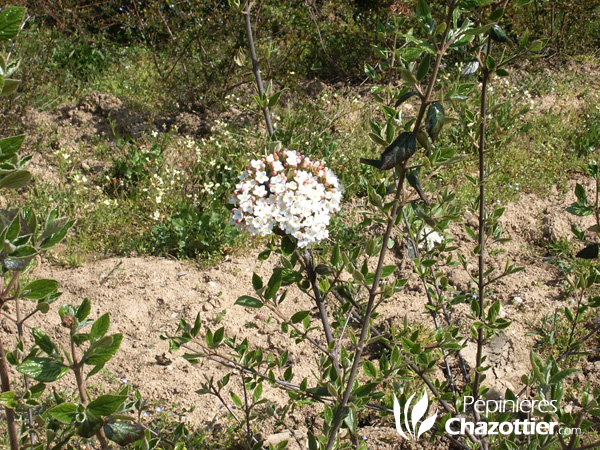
(256, 69)
(10, 414)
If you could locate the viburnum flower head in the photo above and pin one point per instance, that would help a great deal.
(289, 192)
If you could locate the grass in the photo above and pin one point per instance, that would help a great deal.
(175, 188)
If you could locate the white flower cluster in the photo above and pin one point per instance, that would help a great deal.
(289, 192)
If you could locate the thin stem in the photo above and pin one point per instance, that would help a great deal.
(481, 268)
(436, 68)
(574, 325)
(597, 203)
(20, 320)
(247, 408)
(10, 414)
(578, 423)
(296, 328)
(256, 69)
(569, 351)
(11, 284)
(312, 277)
(77, 369)
(339, 342)
(217, 394)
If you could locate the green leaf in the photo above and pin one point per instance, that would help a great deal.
(10, 22)
(299, 316)
(424, 67)
(39, 289)
(197, 325)
(264, 255)
(16, 180)
(35, 391)
(386, 271)
(236, 400)
(104, 353)
(497, 34)
(408, 77)
(42, 369)
(257, 394)
(95, 370)
(423, 11)
(88, 427)
(471, 4)
(581, 194)
(289, 276)
(218, 336)
(8, 399)
(55, 238)
(580, 210)
(53, 224)
(100, 326)
(288, 245)
(496, 14)
(80, 338)
(273, 285)
(560, 376)
(274, 99)
(123, 433)
(83, 310)
(470, 67)
(248, 302)
(10, 146)
(524, 41)
(105, 405)
(462, 41)
(23, 252)
(257, 283)
(411, 53)
(370, 369)
(65, 412)
(536, 366)
(43, 341)
(350, 420)
(435, 120)
(378, 139)
(405, 97)
(10, 86)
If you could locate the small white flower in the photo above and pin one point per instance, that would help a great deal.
(431, 238)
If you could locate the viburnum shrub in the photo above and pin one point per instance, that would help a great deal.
(347, 286)
(286, 192)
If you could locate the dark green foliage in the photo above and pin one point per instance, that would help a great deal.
(192, 232)
(136, 165)
(572, 26)
(403, 147)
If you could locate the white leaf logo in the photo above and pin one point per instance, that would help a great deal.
(413, 429)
